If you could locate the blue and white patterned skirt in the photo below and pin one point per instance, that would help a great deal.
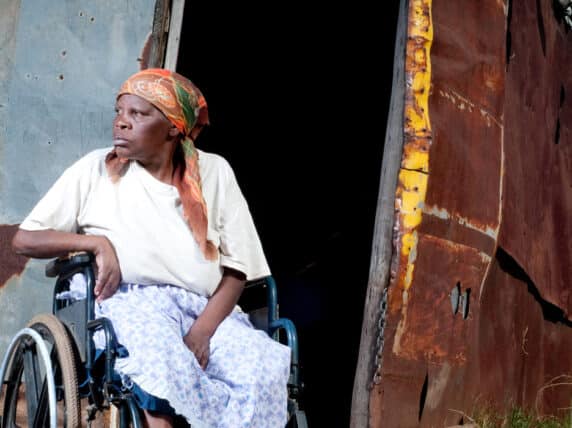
(244, 384)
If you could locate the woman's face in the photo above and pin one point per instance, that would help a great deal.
(140, 130)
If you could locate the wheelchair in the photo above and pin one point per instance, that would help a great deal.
(52, 375)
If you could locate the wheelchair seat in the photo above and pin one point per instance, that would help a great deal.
(52, 364)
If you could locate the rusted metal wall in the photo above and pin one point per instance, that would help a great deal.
(60, 65)
(537, 217)
(483, 210)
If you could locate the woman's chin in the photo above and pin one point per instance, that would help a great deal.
(121, 150)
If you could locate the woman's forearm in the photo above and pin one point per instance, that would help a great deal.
(222, 302)
(51, 243)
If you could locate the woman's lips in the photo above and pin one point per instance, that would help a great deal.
(120, 142)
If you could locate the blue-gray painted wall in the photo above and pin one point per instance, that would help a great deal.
(61, 63)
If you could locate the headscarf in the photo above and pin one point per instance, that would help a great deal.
(185, 106)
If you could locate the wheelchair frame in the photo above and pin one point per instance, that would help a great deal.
(63, 343)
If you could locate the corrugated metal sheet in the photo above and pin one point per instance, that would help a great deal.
(61, 64)
(483, 210)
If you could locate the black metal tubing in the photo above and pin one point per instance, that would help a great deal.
(90, 311)
(110, 345)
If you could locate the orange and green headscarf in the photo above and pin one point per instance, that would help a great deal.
(185, 106)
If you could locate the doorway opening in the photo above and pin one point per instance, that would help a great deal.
(298, 97)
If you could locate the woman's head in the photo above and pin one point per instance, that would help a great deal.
(174, 95)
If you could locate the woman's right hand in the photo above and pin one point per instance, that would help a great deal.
(108, 274)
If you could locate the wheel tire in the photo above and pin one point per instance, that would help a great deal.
(64, 372)
(54, 332)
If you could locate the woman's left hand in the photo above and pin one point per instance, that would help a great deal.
(199, 344)
(219, 305)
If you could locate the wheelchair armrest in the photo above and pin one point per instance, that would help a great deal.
(276, 324)
(269, 284)
(66, 264)
(289, 329)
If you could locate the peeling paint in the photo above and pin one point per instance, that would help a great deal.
(413, 175)
(443, 214)
(415, 159)
(12, 264)
(412, 191)
(463, 103)
(402, 324)
(437, 386)
(418, 68)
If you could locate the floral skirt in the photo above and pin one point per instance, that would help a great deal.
(244, 383)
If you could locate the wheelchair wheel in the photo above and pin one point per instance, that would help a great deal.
(27, 394)
(124, 414)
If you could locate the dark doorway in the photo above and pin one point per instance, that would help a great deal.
(298, 94)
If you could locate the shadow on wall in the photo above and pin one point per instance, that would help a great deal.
(298, 105)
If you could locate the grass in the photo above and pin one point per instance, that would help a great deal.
(486, 416)
(519, 418)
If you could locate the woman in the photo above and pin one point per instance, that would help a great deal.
(174, 243)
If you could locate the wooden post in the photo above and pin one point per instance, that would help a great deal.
(382, 247)
(159, 33)
(175, 27)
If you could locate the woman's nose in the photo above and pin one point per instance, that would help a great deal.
(120, 122)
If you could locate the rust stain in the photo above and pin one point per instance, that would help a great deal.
(428, 330)
(12, 264)
(145, 52)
